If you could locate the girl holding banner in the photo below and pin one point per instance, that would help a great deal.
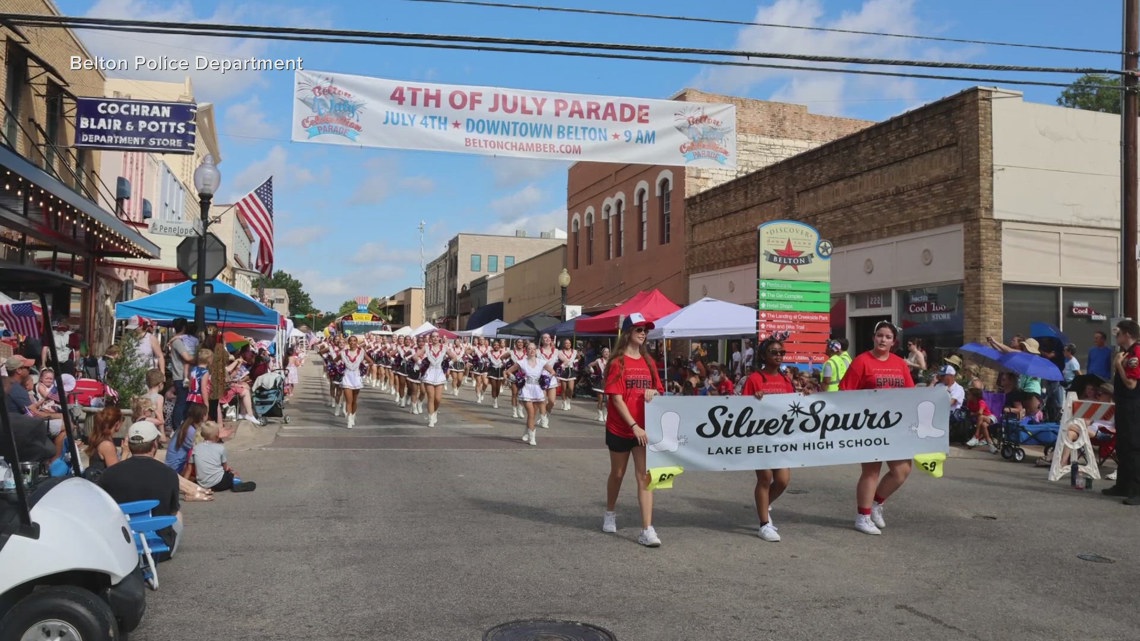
(768, 379)
(631, 381)
(878, 369)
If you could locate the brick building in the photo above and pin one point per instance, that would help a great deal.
(56, 212)
(967, 217)
(470, 256)
(627, 222)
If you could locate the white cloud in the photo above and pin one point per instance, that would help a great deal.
(286, 176)
(299, 236)
(245, 120)
(512, 172)
(831, 93)
(328, 292)
(533, 224)
(517, 204)
(373, 253)
(381, 181)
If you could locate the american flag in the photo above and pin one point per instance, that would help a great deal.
(256, 209)
(20, 318)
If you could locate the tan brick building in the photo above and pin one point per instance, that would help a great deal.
(968, 217)
(531, 287)
(627, 222)
(471, 256)
(57, 213)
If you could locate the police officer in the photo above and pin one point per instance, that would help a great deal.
(1126, 395)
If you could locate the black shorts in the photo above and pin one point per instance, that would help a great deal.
(620, 444)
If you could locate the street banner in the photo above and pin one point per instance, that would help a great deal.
(361, 111)
(793, 289)
(727, 433)
(135, 125)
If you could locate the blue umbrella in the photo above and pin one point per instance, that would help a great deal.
(1027, 364)
(983, 355)
(1039, 330)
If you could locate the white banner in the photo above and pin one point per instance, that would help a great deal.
(722, 433)
(360, 111)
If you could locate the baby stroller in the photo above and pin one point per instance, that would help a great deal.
(1011, 433)
(268, 396)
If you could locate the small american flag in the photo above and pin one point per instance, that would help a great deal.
(20, 318)
(256, 209)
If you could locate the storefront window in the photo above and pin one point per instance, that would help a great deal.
(1086, 311)
(933, 316)
(1024, 304)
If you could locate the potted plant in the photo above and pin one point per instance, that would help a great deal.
(125, 374)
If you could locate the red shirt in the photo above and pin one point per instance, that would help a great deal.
(769, 384)
(724, 387)
(629, 377)
(978, 407)
(868, 372)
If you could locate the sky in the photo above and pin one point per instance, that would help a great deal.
(347, 218)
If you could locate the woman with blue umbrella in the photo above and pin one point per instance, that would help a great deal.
(1032, 368)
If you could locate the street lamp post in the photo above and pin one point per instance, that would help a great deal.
(206, 180)
(564, 283)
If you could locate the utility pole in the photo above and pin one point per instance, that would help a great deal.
(423, 274)
(1130, 171)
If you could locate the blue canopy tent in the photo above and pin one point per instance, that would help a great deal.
(173, 303)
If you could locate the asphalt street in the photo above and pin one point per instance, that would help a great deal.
(397, 531)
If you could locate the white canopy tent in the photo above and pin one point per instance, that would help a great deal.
(426, 327)
(406, 330)
(707, 318)
(487, 330)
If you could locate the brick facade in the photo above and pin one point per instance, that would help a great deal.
(767, 132)
(927, 169)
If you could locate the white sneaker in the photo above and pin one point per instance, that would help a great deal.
(993, 449)
(877, 515)
(1111, 476)
(769, 533)
(609, 522)
(863, 524)
(495, 404)
(532, 439)
(649, 538)
(973, 442)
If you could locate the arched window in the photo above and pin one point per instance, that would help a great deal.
(590, 238)
(576, 231)
(643, 212)
(607, 215)
(619, 222)
(666, 195)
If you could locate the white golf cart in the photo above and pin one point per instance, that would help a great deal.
(69, 568)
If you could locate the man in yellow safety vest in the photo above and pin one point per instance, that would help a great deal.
(836, 365)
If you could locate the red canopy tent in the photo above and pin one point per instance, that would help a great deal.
(652, 304)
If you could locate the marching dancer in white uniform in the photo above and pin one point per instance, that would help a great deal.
(534, 371)
(435, 357)
(548, 353)
(567, 372)
(517, 354)
(351, 381)
(495, 359)
(598, 382)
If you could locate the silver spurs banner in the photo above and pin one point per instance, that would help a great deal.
(724, 433)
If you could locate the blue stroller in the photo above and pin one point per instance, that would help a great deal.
(269, 401)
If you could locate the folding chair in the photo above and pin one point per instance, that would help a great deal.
(147, 541)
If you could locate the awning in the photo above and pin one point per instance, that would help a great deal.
(113, 229)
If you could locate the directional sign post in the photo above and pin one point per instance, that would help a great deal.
(793, 291)
(215, 257)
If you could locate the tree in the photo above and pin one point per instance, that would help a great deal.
(299, 301)
(1093, 92)
(349, 306)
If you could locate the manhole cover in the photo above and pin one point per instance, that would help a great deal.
(984, 517)
(1095, 558)
(539, 630)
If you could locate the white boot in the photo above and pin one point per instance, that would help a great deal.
(544, 421)
(601, 416)
(351, 420)
(495, 402)
(479, 398)
(514, 411)
(566, 405)
(432, 419)
(336, 410)
(455, 392)
(531, 439)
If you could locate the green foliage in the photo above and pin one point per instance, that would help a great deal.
(300, 302)
(1104, 94)
(349, 306)
(125, 374)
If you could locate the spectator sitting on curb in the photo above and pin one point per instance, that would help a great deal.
(212, 466)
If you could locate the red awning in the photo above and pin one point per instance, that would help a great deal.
(652, 304)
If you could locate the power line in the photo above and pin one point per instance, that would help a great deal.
(146, 26)
(618, 56)
(744, 23)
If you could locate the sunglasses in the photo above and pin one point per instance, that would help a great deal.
(776, 352)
